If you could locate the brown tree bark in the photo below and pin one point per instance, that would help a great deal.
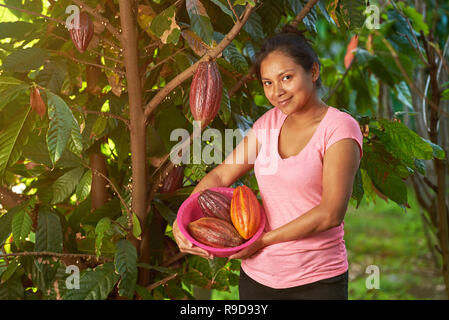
(128, 38)
(99, 190)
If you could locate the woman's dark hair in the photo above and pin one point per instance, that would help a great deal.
(292, 43)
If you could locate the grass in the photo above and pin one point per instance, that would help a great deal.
(394, 241)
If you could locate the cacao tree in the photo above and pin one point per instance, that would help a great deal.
(86, 116)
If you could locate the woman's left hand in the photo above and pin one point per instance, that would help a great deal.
(250, 250)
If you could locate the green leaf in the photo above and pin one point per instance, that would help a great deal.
(165, 211)
(53, 74)
(254, 27)
(224, 8)
(380, 166)
(95, 284)
(438, 152)
(100, 230)
(62, 125)
(126, 265)
(244, 2)
(49, 231)
(16, 29)
(24, 60)
(352, 12)
(10, 270)
(6, 223)
(417, 20)
(110, 209)
(225, 107)
(200, 21)
(165, 27)
(66, 184)
(404, 95)
(83, 187)
(21, 226)
(357, 190)
(12, 93)
(12, 289)
(405, 142)
(14, 137)
(99, 126)
(137, 230)
(233, 55)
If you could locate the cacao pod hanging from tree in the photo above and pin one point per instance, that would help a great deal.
(205, 92)
(82, 33)
(173, 181)
(215, 232)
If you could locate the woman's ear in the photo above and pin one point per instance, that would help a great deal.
(315, 71)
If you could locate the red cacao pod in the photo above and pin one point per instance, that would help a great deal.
(205, 92)
(215, 204)
(82, 35)
(173, 181)
(245, 211)
(214, 232)
(36, 102)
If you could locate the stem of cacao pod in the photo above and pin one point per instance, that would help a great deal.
(137, 129)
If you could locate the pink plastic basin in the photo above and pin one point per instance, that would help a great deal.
(190, 211)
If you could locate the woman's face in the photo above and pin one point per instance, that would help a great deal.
(286, 84)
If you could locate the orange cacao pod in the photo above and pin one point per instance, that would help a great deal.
(215, 204)
(82, 35)
(245, 211)
(173, 181)
(205, 92)
(214, 232)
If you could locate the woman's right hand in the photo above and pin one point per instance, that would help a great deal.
(186, 246)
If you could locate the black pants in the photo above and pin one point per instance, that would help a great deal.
(335, 288)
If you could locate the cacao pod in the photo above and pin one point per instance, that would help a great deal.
(173, 180)
(36, 102)
(205, 92)
(245, 211)
(82, 35)
(215, 204)
(214, 232)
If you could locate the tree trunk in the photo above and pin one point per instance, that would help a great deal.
(137, 124)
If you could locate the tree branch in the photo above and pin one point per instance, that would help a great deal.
(301, 15)
(161, 282)
(56, 254)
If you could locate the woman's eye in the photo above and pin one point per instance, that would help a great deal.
(266, 83)
(286, 77)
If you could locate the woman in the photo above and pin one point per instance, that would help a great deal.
(317, 151)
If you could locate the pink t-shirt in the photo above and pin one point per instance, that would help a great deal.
(289, 188)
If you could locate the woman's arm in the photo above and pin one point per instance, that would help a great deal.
(340, 165)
